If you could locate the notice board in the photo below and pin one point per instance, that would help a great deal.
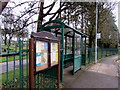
(41, 55)
(54, 54)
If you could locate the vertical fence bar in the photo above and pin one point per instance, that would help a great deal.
(97, 53)
(7, 66)
(74, 48)
(101, 53)
(41, 79)
(62, 54)
(22, 45)
(14, 72)
(27, 64)
(58, 78)
(91, 53)
(14, 65)
(81, 53)
(20, 63)
(106, 52)
(110, 52)
(38, 80)
(88, 55)
(85, 50)
(113, 52)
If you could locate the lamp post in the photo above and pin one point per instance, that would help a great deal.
(96, 32)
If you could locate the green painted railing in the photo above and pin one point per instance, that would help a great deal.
(46, 79)
(15, 58)
(101, 53)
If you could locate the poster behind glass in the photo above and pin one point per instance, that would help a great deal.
(41, 55)
(54, 54)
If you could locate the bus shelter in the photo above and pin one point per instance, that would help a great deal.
(72, 45)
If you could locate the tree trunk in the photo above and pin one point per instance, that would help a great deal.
(91, 37)
(68, 16)
(90, 41)
(82, 20)
(3, 5)
(40, 17)
(10, 39)
(5, 42)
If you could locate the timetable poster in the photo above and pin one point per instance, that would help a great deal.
(41, 55)
(54, 53)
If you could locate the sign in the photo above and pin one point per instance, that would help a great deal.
(119, 44)
(54, 54)
(98, 35)
(41, 55)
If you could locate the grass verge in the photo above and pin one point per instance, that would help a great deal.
(13, 78)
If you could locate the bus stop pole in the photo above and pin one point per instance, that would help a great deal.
(96, 32)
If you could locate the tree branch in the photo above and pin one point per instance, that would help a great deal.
(25, 25)
(58, 11)
(48, 6)
(52, 5)
(26, 13)
(22, 4)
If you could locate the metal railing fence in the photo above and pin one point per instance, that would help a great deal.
(101, 53)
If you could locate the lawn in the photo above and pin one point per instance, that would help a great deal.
(14, 78)
(11, 58)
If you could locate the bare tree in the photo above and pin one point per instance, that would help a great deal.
(9, 28)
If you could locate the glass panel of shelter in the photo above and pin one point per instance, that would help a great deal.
(69, 45)
(77, 45)
(83, 46)
(68, 41)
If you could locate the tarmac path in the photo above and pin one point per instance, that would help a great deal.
(104, 74)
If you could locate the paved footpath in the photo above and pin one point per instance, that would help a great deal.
(101, 75)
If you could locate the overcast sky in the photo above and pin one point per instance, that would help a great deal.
(115, 12)
(47, 2)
